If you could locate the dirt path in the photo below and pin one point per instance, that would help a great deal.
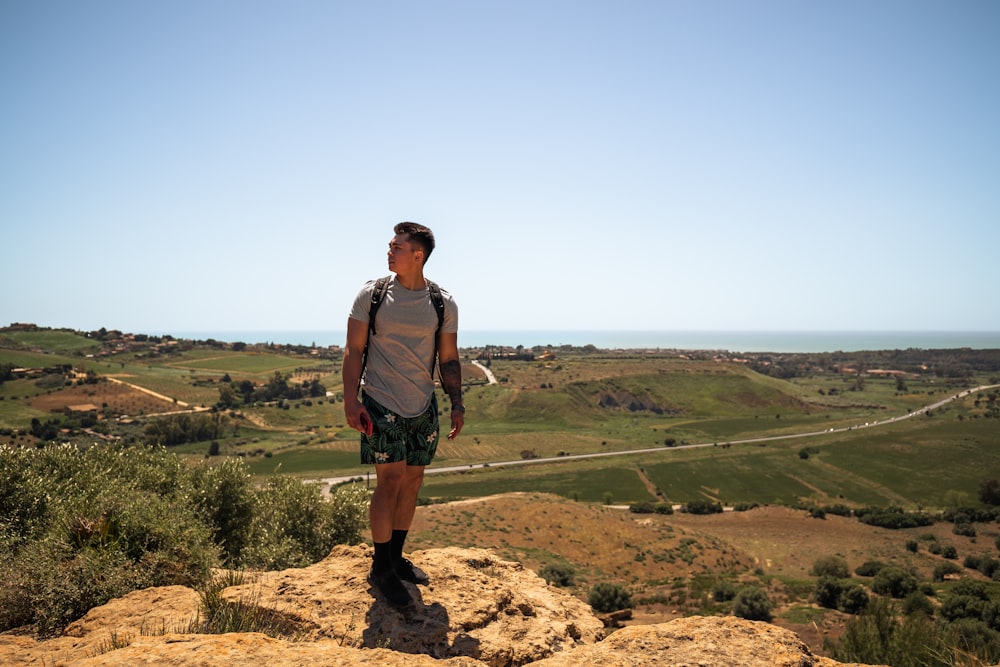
(648, 483)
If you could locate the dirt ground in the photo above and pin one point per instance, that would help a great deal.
(119, 398)
(655, 555)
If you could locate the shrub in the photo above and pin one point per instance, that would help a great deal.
(293, 526)
(917, 602)
(664, 508)
(642, 507)
(558, 574)
(78, 528)
(944, 569)
(226, 498)
(703, 507)
(894, 581)
(724, 591)
(989, 491)
(605, 597)
(983, 563)
(831, 566)
(839, 510)
(893, 518)
(869, 568)
(827, 592)
(877, 637)
(753, 604)
(964, 529)
(115, 520)
(853, 599)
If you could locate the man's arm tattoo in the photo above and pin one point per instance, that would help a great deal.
(451, 379)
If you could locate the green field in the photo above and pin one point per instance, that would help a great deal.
(585, 403)
(588, 482)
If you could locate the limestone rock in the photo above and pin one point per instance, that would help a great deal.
(478, 610)
(696, 641)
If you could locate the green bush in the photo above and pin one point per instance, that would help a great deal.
(827, 591)
(558, 574)
(703, 507)
(79, 528)
(894, 518)
(664, 508)
(753, 604)
(869, 568)
(944, 569)
(877, 637)
(854, 599)
(642, 507)
(606, 597)
(724, 591)
(894, 581)
(226, 499)
(831, 566)
(917, 602)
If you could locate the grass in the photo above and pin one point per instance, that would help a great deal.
(52, 340)
(301, 460)
(552, 408)
(934, 463)
(600, 483)
(242, 364)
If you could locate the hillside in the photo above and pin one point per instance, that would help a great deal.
(479, 610)
(787, 437)
(672, 563)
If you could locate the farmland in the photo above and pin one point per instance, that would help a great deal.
(556, 451)
(683, 411)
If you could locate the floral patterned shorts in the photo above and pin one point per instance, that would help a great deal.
(395, 438)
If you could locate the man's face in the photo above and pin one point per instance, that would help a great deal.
(403, 254)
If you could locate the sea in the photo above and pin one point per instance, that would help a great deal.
(731, 341)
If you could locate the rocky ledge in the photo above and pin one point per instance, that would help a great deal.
(478, 610)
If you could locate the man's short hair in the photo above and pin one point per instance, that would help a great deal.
(418, 234)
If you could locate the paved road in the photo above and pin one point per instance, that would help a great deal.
(332, 481)
(489, 374)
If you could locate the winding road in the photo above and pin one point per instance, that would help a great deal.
(333, 481)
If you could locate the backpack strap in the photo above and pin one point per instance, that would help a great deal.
(438, 300)
(378, 296)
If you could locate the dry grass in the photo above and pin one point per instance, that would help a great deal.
(119, 398)
(660, 557)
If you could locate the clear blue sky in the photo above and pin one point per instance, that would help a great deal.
(667, 164)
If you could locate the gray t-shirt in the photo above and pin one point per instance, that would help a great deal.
(399, 372)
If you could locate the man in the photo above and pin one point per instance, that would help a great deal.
(397, 411)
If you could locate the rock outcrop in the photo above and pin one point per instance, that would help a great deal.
(479, 610)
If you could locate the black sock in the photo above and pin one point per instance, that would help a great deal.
(383, 557)
(398, 538)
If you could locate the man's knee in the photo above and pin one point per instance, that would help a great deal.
(390, 475)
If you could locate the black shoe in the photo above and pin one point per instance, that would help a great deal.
(407, 571)
(391, 587)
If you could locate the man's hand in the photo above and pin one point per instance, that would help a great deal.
(358, 417)
(457, 422)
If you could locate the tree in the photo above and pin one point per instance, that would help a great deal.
(557, 574)
(831, 566)
(753, 604)
(854, 599)
(894, 581)
(605, 598)
(227, 397)
(989, 491)
(827, 592)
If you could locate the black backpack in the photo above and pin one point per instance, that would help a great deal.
(378, 296)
